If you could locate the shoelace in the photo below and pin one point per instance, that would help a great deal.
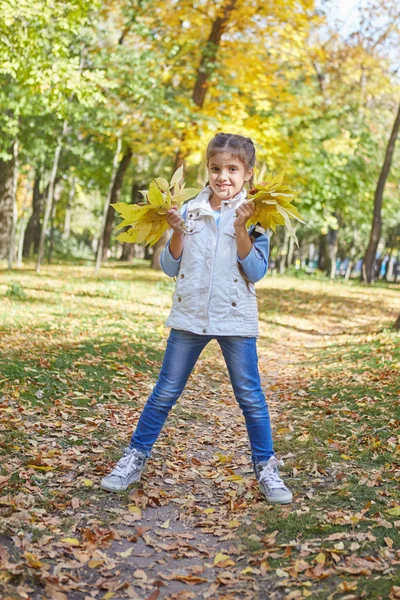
(126, 462)
(269, 475)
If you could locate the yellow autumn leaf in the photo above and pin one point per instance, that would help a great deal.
(220, 557)
(281, 573)
(395, 511)
(233, 524)
(71, 541)
(135, 511)
(177, 176)
(95, 562)
(320, 558)
(162, 183)
(108, 596)
(273, 203)
(148, 219)
(155, 196)
(246, 570)
(32, 560)
(88, 483)
(40, 467)
(209, 511)
(126, 553)
(234, 478)
(166, 524)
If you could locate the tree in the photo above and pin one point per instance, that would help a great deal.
(7, 167)
(376, 228)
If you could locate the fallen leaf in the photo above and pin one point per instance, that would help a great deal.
(135, 512)
(126, 553)
(395, 511)
(166, 524)
(71, 541)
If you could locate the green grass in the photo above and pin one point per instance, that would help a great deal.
(79, 353)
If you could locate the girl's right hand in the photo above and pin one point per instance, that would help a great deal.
(175, 220)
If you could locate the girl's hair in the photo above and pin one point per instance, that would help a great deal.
(241, 147)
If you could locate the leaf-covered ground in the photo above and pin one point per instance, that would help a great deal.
(79, 355)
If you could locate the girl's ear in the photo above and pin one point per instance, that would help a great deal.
(249, 174)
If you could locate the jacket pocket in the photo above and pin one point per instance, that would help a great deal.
(230, 230)
(194, 226)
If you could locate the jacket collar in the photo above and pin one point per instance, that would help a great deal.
(202, 200)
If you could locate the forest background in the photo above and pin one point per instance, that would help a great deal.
(99, 97)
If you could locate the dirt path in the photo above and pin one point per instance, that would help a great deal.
(199, 489)
(196, 526)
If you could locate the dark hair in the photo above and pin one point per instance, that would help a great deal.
(241, 147)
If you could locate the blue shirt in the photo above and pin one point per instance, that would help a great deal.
(255, 264)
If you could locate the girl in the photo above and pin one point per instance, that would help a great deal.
(216, 262)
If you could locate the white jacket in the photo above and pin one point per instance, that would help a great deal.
(211, 295)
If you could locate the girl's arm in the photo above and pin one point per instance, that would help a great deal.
(252, 256)
(255, 265)
(170, 258)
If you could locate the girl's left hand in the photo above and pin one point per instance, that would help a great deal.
(244, 212)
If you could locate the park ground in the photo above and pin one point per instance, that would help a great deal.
(79, 354)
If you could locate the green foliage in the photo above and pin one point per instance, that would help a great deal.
(15, 290)
(316, 103)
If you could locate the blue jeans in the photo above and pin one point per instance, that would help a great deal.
(183, 350)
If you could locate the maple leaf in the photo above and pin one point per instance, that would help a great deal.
(147, 220)
(273, 203)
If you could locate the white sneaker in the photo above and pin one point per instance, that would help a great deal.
(128, 469)
(270, 484)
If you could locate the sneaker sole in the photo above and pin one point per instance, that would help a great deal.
(273, 500)
(111, 488)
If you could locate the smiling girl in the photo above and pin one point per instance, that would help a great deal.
(216, 261)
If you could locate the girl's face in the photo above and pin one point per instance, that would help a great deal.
(226, 176)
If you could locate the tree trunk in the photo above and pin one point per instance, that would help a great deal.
(323, 252)
(6, 202)
(206, 67)
(290, 252)
(23, 223)
(32, 232)
(284, 253)
(333, 238)
(113, 197)
(397, 323)
(106, 208)
(11, 250)
(209, 54)
(128, 252)
(68, 211)
(370, 254)
(50, 195)
(157, 249)
(56, 198)
(349, 269)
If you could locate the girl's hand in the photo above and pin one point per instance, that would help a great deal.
(244, 212)
(174, 219)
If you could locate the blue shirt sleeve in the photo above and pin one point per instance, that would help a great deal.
(255, 264)
(168, 263)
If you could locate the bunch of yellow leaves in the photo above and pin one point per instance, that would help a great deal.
(273, 203)
(147, 219)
